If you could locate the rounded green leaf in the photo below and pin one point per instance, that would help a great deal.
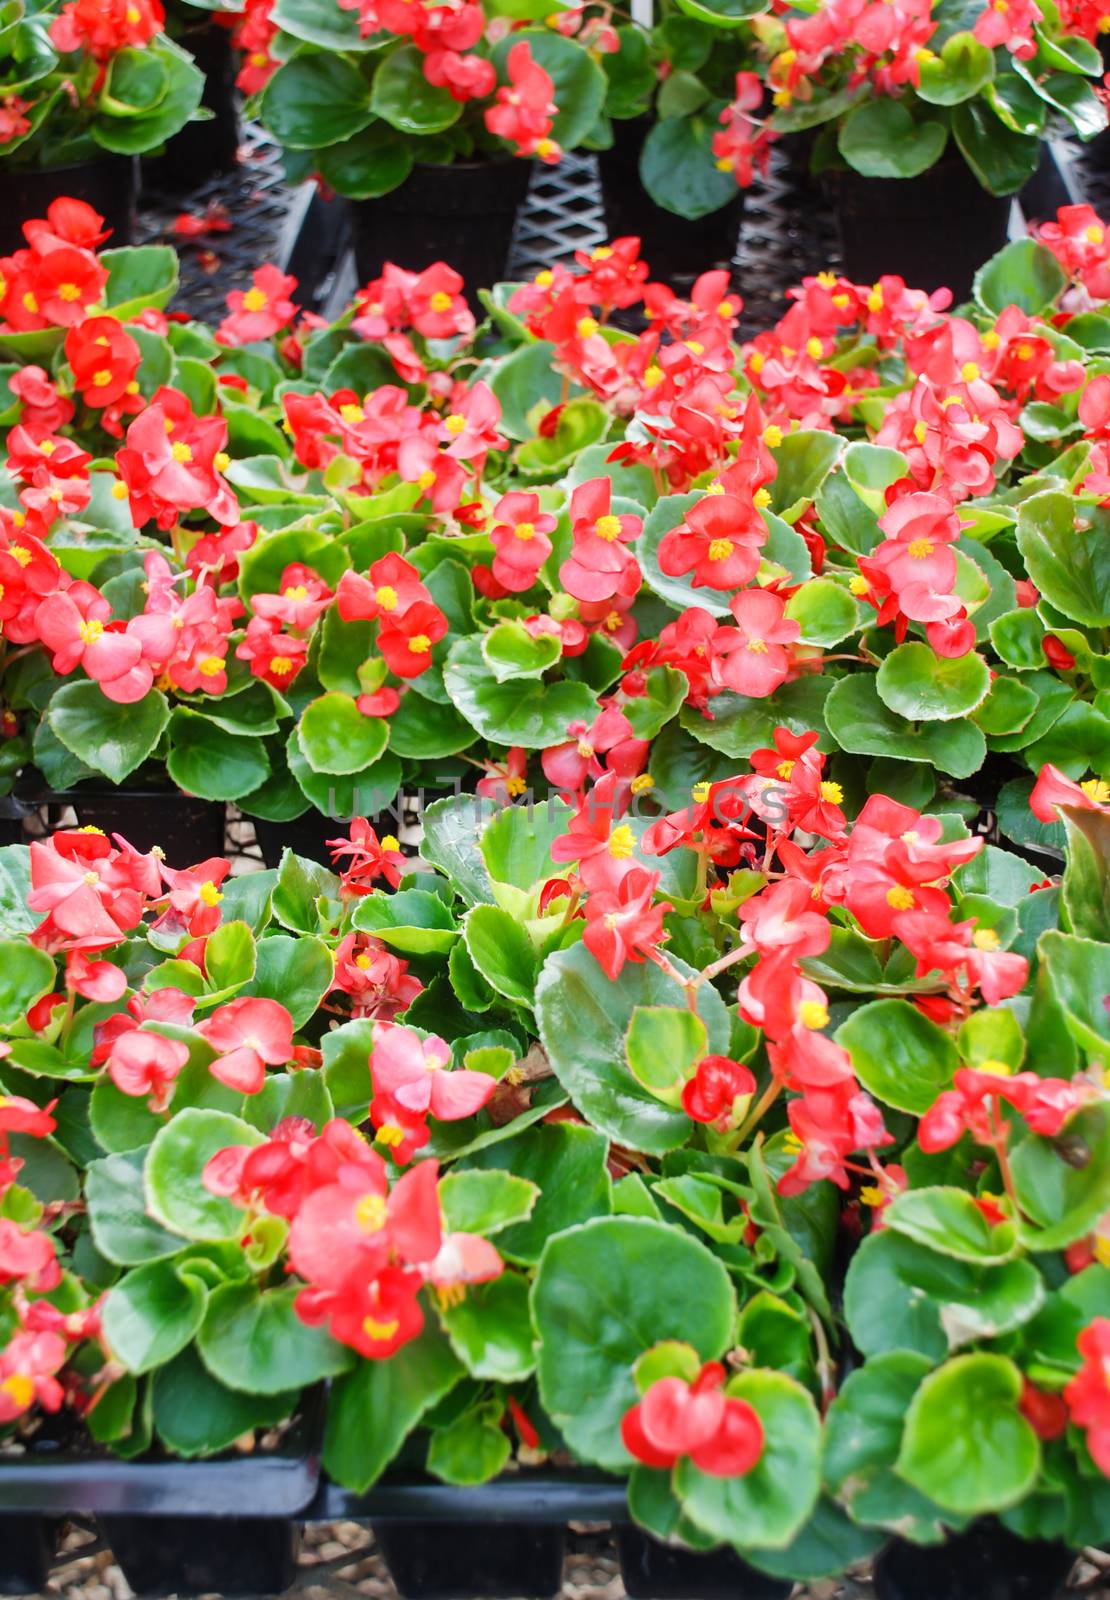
(195, 1415)
(880, 139)
(403, 97)
(966, 1444)
(121, 1229)
(1067, 554)
(899, 1055)
(583, 1018)
(1063, 1184)
(175, 1193)
(962, 69)
(151, 1314)
(491, 1329)
(768, 1505)
(412, 920)
(824, 610)
(606, 1292)
(335, 737)
(111, 739)
(924, 687)
(205, 760)
(510, 651)
(1025, 274)
(502, 952)
(678, 168)
(316, 100)
(861, 723)
(254, 1341)
(26, 974)
(296, 972)
(525, 712)
(948, 1220)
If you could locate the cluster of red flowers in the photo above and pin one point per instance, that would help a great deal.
(44, 1336)
(742, 145)
(364, 1249)
(57, 277)
(103, 27)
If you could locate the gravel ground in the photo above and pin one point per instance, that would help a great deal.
(339, 1562)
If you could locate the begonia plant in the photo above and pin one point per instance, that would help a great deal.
(82, 79)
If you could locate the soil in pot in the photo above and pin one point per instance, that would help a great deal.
(202, 149)
(109, 185)
(188, 830)
(676, 248)
(463, 214)
(654, 1571)
(457, 1560)
(935, 230)
(985, 1563)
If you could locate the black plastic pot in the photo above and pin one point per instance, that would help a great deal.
(202, 149)
(677, 248)
(463, 214)
(305, 836)
(457, 1560)
(986, 1563)
(110, 186)
(935, 230)
(187, 829)
(204, 1555)
(654, 1571)
(26, 1551)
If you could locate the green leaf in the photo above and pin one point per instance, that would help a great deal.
(316, 100)
(111, 739)
(1067, 554)
(1063, 1184)
(254, 1341)
(604, 1293)
(139, 277)
(899, 1295)
(372, 162)
(921, 686)
(335, 737)
(1079, 975)
(502, 952)
(678, 168)
(297, 972)
(510, 651)
(319, 22)
(15, 886)
(963, 68)
(804, 461)
(485, 1202)
(663, 1046)
(375, 1407)
(525, 712)
(860, 722)
(450, 842)
(880, 139)
(516, 842)
(205, 760)
(567, 1163)
(901, 1057)
(1002, 161)
(769, 1504)
(491, 1329)
(737, 724)
(121, 1229)
(949, 1221)
(151, 1314)
(26, 974)
(1024, 274)
(471, 1449)
(176, 1196)
(583, 1018)
(825, 612)
(300, 888)
(1086, 885)
(412, 920)
(197, 1416)
(403, 97)
(966, 1444)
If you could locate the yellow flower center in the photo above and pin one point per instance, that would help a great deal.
(997, 1069)
(622, 843)
(29, 302)
(544, 279)
(221, 461)
(524, 530)
(68, 292)
(832, 792)
(102, 379)
(209, 894)
(761, 498)
(815, 348)
(858, 583)
(379, 1330)
(90, 632)
(350, 412)
(181, 452)
(295, 591)
(918, 549)
(281, 665)
(813, 1014)
(900, 898)
(455, 423)
(420, 644)
(1098, 789)
(642, 783)
(757, 647)
(440, 301)
(390, 1134)
(19, 1388)
(653, 376)
(426, 480)
(255, 300)
(211, 666)
(1025, 352)
(119, 491)
(370, 1213)
(515, 786)
(969, 371)
(587, 327)
(772, 436)
(986, 939)
(386, 597)
(720, 549)
(1094, 234)
(608, 528)
(388, 842)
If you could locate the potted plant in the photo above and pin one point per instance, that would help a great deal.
(683, 140)
(416, 119)
(942, 114)
(86, 90)
(209, 142)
